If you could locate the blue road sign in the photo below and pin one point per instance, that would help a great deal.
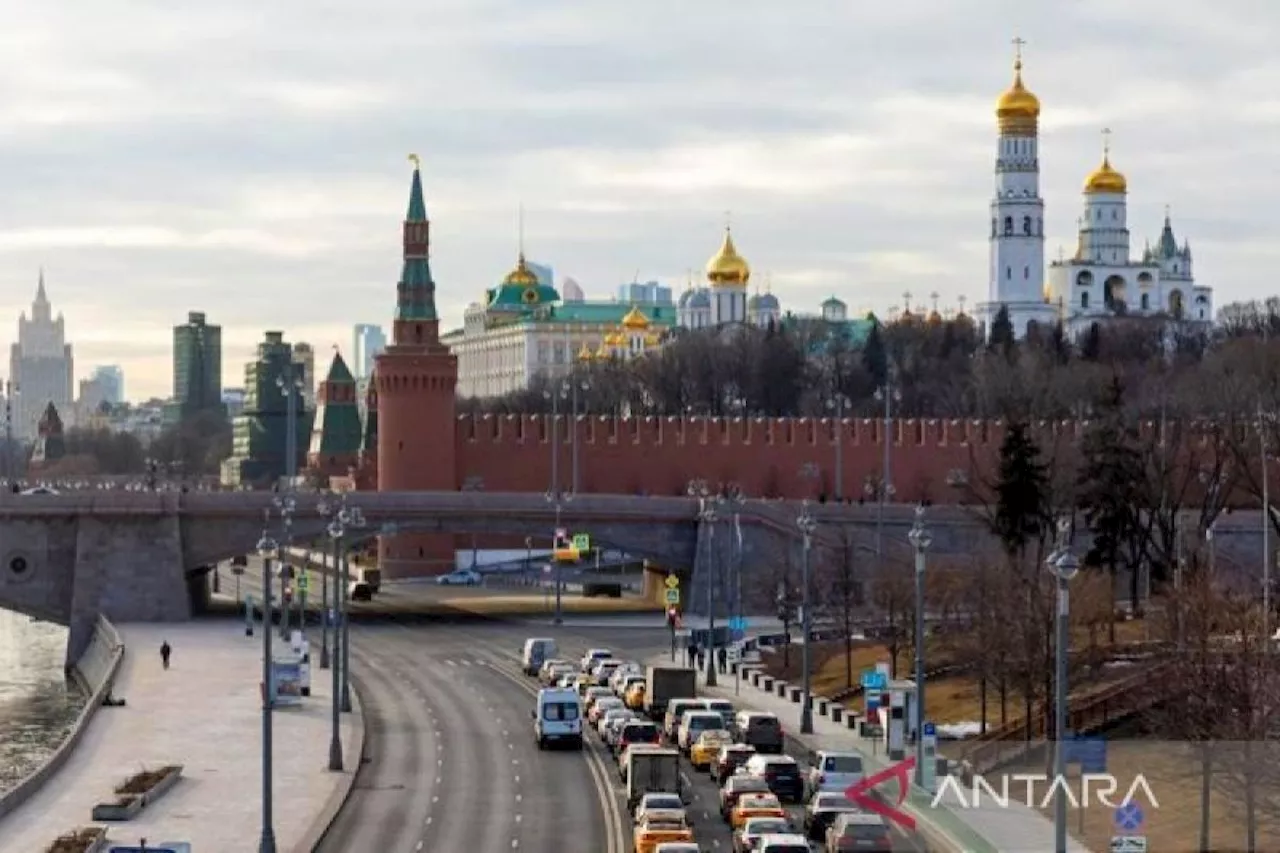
(930, 730)
(1089, 752)
(1129, 817)
(738, 623)
(736, 634)
(873, 680)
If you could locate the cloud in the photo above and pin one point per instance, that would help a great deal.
(247, 159)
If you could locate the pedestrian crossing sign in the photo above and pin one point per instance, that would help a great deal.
(304, 581)
(673, 596)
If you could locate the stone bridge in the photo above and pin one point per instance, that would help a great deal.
(139, 556)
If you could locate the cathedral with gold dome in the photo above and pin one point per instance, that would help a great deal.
(1102, 279)
(524, 327)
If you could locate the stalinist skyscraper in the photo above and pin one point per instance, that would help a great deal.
(40, 365)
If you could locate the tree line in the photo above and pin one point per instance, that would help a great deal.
(194, 447)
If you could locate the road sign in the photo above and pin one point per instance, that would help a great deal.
(930, 730)
(733, 655)
(237, 570)
(304, 581)
(673, 596)
(546, 570)
(874, 680)
(1128, 844)
(581, 542)
(1089, 752)
(1129, 817)
(738, 623)
(163, 847)
(673, 582)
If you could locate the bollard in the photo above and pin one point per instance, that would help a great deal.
(822, 706)
(795, 694)
(837, 713)
(782, 689)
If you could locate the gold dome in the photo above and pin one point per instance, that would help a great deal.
(584, 354)
(1017, 110)
(521, 275)
(613, 339)
(1105, 179)
(603, 353)
(635, 319)
(727, 266)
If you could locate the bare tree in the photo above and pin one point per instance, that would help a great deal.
(839, 576)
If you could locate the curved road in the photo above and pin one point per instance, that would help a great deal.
(450, 759)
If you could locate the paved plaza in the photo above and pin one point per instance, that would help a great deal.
(204, 713)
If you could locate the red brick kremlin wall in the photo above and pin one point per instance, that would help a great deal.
(764, 456)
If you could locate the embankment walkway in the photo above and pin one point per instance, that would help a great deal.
(204, 713)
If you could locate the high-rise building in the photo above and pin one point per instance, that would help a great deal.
(259, 433)
(110, 378)
(197, 368)
(40, 366)
(367, 340)
(304, 355)
(649, 292)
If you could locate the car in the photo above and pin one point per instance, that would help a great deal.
(859, 831)
(693, 724)
(460, 577)
(745, 838)
(737, 787)
(360, 591)
(730, 758)
(553, 673)
(593, 694)
(637, 731)
(676, 709)
(755, 805)
(649, 834)
(610, 717)
(677, 847)
(591, 656)
(635, 695)
(822, 811)
(704, 751)
(780, 772)
(557, 718)
(601, 706)
(782, 843)
(656, 803)
(724, 708)
(604, 670)
(761, 730)
(831, 770)
(626, 682)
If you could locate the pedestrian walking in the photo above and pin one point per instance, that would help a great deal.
(691, 654)
(165, 651)
(722, 657)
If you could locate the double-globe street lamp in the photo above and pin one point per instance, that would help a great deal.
(290, 385)
(839, 404)
(342, 518)
(920, 539)
(707, 516)
(734, 500)
(268, 548)
(807, 525)
(1064, 565)
(558, 499)
(887, 394)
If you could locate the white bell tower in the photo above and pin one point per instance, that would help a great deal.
(1016, 275)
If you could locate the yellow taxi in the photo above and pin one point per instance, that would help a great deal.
(755, 805)
(584, 681)
(635, 696)
(707, 747)
(660, 829)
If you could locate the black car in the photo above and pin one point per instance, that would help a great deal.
(763, 731)
(784, 779)
(822, 812)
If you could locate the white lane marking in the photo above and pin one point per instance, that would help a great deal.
(519, 818)
(519, 798)
(515, 842)
(517, 780)
(435, 799)
(419, 847)
(437, 780)
(451, 663)
(428, 821)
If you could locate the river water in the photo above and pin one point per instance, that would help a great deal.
(37, 703)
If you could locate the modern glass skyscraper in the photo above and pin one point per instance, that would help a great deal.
(197, 366)
(367, 341)
(110, 379)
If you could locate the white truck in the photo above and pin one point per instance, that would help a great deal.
(653, 771)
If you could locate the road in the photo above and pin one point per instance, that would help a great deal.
(450, 759)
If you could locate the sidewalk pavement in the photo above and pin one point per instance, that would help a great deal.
(983, 829)
(204, 713)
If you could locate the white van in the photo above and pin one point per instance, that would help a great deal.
(537, 651)
(557, 719)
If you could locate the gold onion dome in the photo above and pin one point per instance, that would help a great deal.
(635, 319)
(1106, 179)
(727, 266)
(584, 354)
(1018, 109)
(521, 275)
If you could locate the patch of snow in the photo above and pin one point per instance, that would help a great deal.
(958, 731)
(1116, 664)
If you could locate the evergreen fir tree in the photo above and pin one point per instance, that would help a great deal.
(1091, 343)
(1002, 338)
(875, 359)
(1022, 489)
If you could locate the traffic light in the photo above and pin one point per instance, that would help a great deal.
(671, 617)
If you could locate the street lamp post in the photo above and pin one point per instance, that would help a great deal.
(558, 499)
(330, 512)
(921, 539)
(888, 394)
(10, 470)
(267, 547)
(807, 525)
(1064, 565)
(291, 388)
(735, 501)
(839, 403)
(577, 385)
(474, 484)
(354, 520)
(707, 515)
(336, 530)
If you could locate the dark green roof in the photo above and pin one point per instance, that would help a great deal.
(609, 312)
(338, 370)
(369, 442)
(417, 207)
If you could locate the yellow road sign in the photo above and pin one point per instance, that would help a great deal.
(673, 582)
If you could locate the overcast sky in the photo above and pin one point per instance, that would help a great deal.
(248, 159)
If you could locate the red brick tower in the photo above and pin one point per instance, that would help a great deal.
(416, 379)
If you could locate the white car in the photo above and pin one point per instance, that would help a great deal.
(461, 577)
(654, 804)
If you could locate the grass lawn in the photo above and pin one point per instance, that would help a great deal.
(1172, 771)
